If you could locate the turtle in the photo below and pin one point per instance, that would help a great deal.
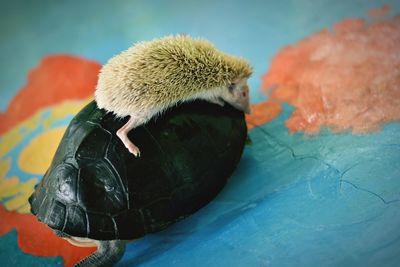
(95, 189)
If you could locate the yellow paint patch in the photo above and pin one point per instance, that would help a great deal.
(17, 192)
(13, 137)
(14, 189)
(4, 167)
(37, 155)
(64, 109)
(20, 200)
(8, 187)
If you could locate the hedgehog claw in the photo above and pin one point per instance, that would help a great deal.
(133, 149)
(128, 144)
(122, 133)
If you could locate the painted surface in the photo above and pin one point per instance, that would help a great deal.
(328, 68)
(347, 78)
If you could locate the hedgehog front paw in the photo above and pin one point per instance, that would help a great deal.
(128, 144)
(133, 149)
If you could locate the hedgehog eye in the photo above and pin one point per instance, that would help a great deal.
(231, 87)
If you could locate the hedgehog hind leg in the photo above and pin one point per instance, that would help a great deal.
(122, 133)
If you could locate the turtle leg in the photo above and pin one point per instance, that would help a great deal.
(76, 241)
(122, 133)
(108, 253)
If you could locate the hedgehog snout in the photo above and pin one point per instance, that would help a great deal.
(239, 98)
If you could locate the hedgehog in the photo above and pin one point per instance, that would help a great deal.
(152, 76)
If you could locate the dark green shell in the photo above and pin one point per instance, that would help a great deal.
(95, 188)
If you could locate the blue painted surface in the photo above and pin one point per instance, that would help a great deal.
(327, 200)
(16, 151)
(12, 256)
(100, 29)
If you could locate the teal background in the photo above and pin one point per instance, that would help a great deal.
(326, 200)
(98, 30)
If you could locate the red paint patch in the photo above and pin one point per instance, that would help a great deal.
(37, 239)
(57, 78)
(262, 113)
(345, 79)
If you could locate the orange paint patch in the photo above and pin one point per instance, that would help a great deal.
(345, 79)
(37, 239)
(57, 78)
(262, 113)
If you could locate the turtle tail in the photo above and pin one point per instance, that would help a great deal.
(108, 253)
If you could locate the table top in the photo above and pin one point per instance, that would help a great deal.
(319, 185)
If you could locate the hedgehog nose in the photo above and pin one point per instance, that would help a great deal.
(244, 106)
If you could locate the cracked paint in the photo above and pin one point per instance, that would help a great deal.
(330, 199)
(269, 217)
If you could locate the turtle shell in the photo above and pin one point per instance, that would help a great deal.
(95, 188)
